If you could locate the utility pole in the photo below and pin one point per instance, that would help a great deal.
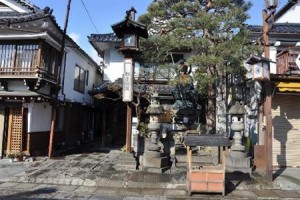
(268, 20)
(56, 101)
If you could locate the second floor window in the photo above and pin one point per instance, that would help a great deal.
(79, 79)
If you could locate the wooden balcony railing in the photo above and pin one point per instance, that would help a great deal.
(286, 61)
(28, 60)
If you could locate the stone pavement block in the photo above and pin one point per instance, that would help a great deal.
(106, 191)
(131, 184)
(8, 185)
(104, 197)
(128, 176)
(175, 186)
(148, 197)
(113, 183)
(153, 191)
(244, 194)
(86, 190)
(137, 177)
(101, 182)
(30, 180)
(66, 188)
(80, 196)
(26, 186)
(287, 193)
(88, 182)
(171, 192)
(76, 181)
(155, 185)
(65, 181)
(119, 176)
(46, 187)
(39, 180)
(6, 193)
(50, 180)
(130, 191)
(62, 195)
(263, 194)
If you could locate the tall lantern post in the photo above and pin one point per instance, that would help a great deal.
(129, 31)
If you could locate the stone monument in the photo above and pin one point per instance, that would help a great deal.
(238, 160)
(154, 159)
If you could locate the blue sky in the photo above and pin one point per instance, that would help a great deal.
(104, 13)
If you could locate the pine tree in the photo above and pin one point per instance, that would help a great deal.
(215, 33)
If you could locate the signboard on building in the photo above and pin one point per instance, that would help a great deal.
(128, 80)
(298, 60)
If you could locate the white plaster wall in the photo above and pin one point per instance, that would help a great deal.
(114, 63)
(292, 16)
(273, 66)
(39, 116)
(75, 58)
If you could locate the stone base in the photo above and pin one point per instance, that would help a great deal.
(154, 164)
(238, 154)
(234, 164)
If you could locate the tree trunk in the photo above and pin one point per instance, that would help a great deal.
(211, 109)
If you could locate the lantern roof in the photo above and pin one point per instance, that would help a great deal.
(253, 59)
(128, 25)
(237, 109)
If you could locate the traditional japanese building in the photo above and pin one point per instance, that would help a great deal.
(33, 79)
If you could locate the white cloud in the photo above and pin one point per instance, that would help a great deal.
(75, 37)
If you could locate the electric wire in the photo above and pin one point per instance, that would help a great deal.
(89, 16)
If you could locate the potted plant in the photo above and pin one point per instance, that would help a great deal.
(18, 156)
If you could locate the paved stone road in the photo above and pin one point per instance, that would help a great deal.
(94, 175)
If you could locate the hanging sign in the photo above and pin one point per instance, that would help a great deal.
(128, 81)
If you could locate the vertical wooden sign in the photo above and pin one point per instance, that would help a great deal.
(128, 80)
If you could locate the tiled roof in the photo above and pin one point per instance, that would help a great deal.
(27, 5)
(278, 28)
(108, 37)
(32, 10)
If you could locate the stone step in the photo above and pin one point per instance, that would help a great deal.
(126, 161)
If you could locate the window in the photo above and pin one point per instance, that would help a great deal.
(79, 79)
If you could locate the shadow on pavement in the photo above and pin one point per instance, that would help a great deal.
(278, 172)
(30, 194)
(234, 179)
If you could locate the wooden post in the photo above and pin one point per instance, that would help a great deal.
(128, 128)
(54, 106)
(267, 104)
